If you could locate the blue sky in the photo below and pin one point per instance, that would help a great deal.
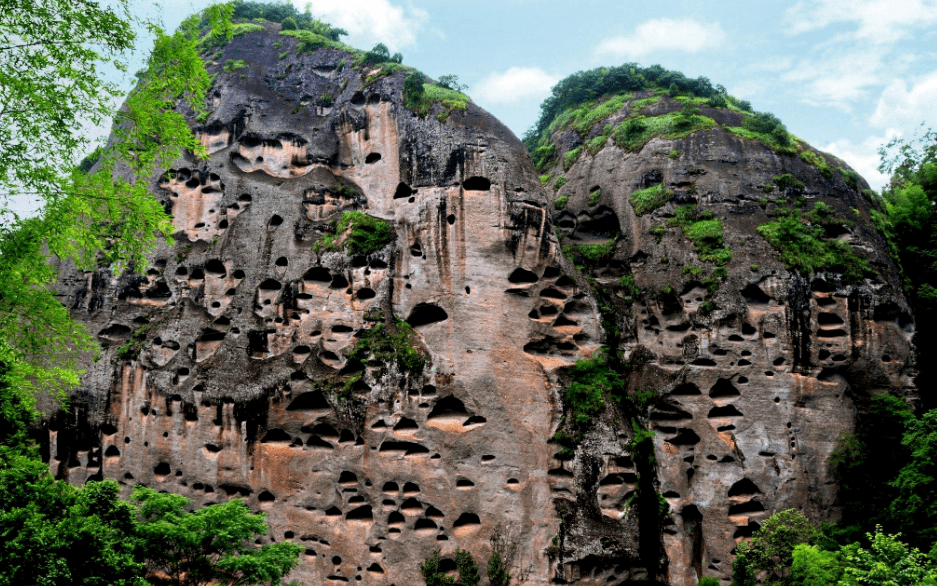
(845, 75)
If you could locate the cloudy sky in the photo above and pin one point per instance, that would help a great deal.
(845, 75)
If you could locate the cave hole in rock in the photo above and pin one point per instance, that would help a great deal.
(318, 275)
(703, 362)
(162, 469)
(342, 329)
(365, 293)
(410, 488)
(752, 506)
(829, 319)
(372, 158)
(376, 568)
(687, 389)
(488, 458)
(339, 282)
(333, 512)
(407, 448)
(282, 262)
(182, 271)
(363, 513)
(276, 435)
(748, 329)
(612, 480)
(746, 530)
(464, 483)
(685, 437)
(266, 497)
(548, 310)
(448, 406)
(821, 286)
(275, 221)
(425, 524)
(521, 275)
(476, 183)
(533, 314)
(744, 487)
(837, 333)
(562, 321)
(111, 451)
(271, 285)
(466, 519)
(552, 293)
(450, 219)
(216, 268)
(753, 294)
(315, 441)
(403, 191)
(664, 412)
(108, 428)
(434, 513)
(309, 401)
(825, 301)
(723, 388)
(778, 361)
(425, 314)
(726, 411)
(412, 505)
(347, 477)
(405, 423)
(475, 420)
(743, 362)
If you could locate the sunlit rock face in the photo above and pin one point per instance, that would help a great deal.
(223, 362)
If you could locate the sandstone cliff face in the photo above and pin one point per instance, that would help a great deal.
(224, 364)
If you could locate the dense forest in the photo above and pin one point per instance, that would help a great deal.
(92, 215)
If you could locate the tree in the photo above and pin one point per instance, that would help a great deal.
(451, 82)
(915, 506)
(431, 574)
(812, 566)
(213, 545)
(771, 549)
(888, 562)
(413, 89)
(468, 569)
(503, 554)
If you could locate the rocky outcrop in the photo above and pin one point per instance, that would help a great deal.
(252, 360)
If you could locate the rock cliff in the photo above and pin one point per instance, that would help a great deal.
(385, 399)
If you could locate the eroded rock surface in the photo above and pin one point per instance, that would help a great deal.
(224, 365)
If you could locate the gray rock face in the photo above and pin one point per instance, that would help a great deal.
(229, 368)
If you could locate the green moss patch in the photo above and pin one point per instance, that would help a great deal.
(591, 380)
(647, 200)
(803, 245)
(561, 201)
(635, 131)
(451, 101)
(705, 232)
(359, 233)
(310, 41)
(234, 65)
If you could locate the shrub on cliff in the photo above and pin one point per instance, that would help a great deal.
(358, 233)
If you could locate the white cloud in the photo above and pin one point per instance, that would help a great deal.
(771, 64)
(371, 21)
(863, 156)
(517, 84)
(877, 21)
(664, 34)
(901, 106)
(836, 79)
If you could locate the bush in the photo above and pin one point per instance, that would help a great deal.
(359, 233)
(591, 380)
(771, 549)
(431, 574)
(561, 202)
(289, 24)
(647, 200)
(232, 65)
(325, 100)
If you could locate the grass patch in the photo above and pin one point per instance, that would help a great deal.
(638, 105)
(358, 233)
(788, 183)
(544, 179)
(647, 200)
(674, 154)
(543, 155)
(591, 380)
(571, 157)
(234, 65)
(560, 182)
(451, 101)
(803, 245)
(704, 231)
(635, 132)
(561, 201)
(812, 158)
(594, 197)
(765, 137)
(590, 254)
(310, 41)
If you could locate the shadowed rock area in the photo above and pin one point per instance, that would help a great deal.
(379, 405)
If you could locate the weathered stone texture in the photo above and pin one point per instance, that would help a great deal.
(243, 321)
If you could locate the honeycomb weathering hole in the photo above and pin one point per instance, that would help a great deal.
(476, 184)
(424, 314)
(318, 274)
(372, 158)
(466, 520)
(403, 191)
(723, 388)
(521, 275)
